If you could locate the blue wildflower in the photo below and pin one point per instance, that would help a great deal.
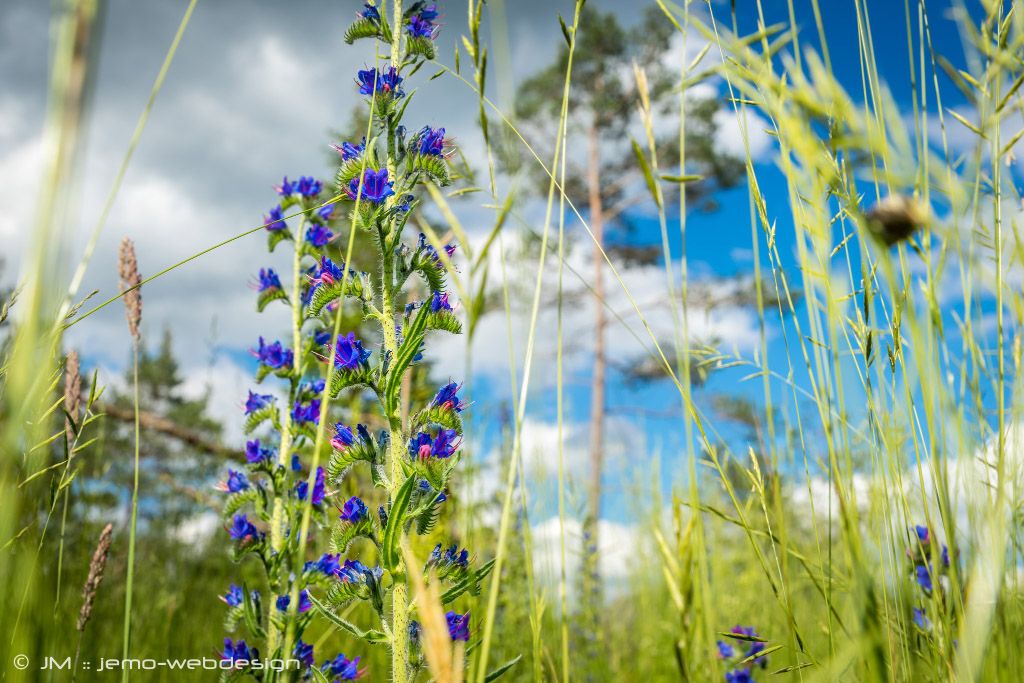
(354, 510)
(325, 212)
(234, 597)
(739, 676)
(458, 626)
(945, 556)
(328, 273)
(238, 653)
(304, 604)
(256, 402)
(310, 413)
(242, 528)
(296, 463)
(448, 398)
(443, 445)
(235, 482)
(439, 302)
(431, 141)
(349, 353)
(427, 488)
(375, 186)
(421, 24)
(354, 571)
(348, 151)
(286, 188)
(319, 488)
(273, 355)
(414, 632)
(318, 236)
(304, 653)
(923, 535)
(921, 619)
(923, 576)
(343, 668)
(275, 220)
(343, 437)
(386, 82)
(328, 564)
(370, 12)
(725, 650)
(268, 280)
(452, 557)
(254, 453)
(308, 186)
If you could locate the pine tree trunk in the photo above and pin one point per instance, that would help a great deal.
(597, 386)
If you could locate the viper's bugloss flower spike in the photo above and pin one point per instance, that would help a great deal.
(354, 510)
(375, 186)
(130, 282)
(342, 668)
(458, 626)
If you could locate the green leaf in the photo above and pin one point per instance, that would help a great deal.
(652, 185)
(319, 675)
(268, 295)
(345, 379)
(370, 636)
(469, 582)
(396, 519)
(682, 178)
(565, 31)
(496, 674)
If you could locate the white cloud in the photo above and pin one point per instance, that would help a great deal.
(618, 545)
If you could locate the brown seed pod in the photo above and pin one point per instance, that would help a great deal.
(896, 218)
